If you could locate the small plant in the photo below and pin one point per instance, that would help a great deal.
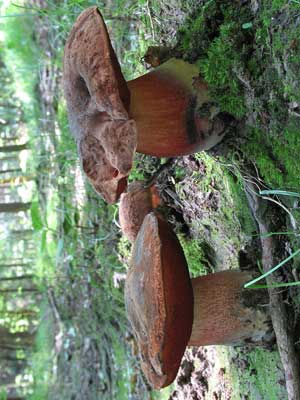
(252, 284)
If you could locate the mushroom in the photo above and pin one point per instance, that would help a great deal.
(97, 100)
(138, 201)
(169, 311)
(159, 300)
(160, 113)
(173, 115)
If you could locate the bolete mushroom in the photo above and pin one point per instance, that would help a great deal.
(98, 100)
(173, 118)
(138, 201)
(160, 113)
(169, 311)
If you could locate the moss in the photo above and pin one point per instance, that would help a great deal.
(276, 156)
(255, 373)
(217, 40)
(195, 255)
(240, 203)
(213, 214)
(239, 50)
(218, 71)
(200, 29)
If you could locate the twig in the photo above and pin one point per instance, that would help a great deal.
(54, 310)
(151, 20)
(282, 328)
(293, 221)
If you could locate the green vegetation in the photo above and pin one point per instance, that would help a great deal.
(221, 201)
(217, 40)
(74, 230)
(258, 377)
(42, 363)
(250, 60)
(278, 162)
(229, 42)
(195, 256)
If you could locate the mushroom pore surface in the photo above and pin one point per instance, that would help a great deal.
(97, 101)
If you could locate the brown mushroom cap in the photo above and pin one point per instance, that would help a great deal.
(138, 201)
(159, 300)
(97, 100)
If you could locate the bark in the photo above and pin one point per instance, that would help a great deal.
(14, 207)
(9, 158)
(281, 324)
(16, 290)
(14, 265)
(17, 278)
(15, 340)
(21, 313)
(14, 147)
(9, 171)
(16, 180)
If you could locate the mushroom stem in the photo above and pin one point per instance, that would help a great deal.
(227, 313)
(172, 117)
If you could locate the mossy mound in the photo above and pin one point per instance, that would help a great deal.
(249, 53)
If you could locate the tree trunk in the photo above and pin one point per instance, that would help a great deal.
(14, 147)
(16, 340)
(16, 180)
(17, 278)
(6, 171)
(16, 290)
(14, 207)
(14, 265)
(9, 158)
(22, 313)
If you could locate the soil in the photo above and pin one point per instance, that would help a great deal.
(199, 369)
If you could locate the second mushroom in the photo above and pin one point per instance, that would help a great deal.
(169, 311)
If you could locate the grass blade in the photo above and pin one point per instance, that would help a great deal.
(272, 269)
(279, 192)
(276, 285)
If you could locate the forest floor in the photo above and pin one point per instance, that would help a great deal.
(255, 62)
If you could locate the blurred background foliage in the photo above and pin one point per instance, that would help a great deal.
(68, 278)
